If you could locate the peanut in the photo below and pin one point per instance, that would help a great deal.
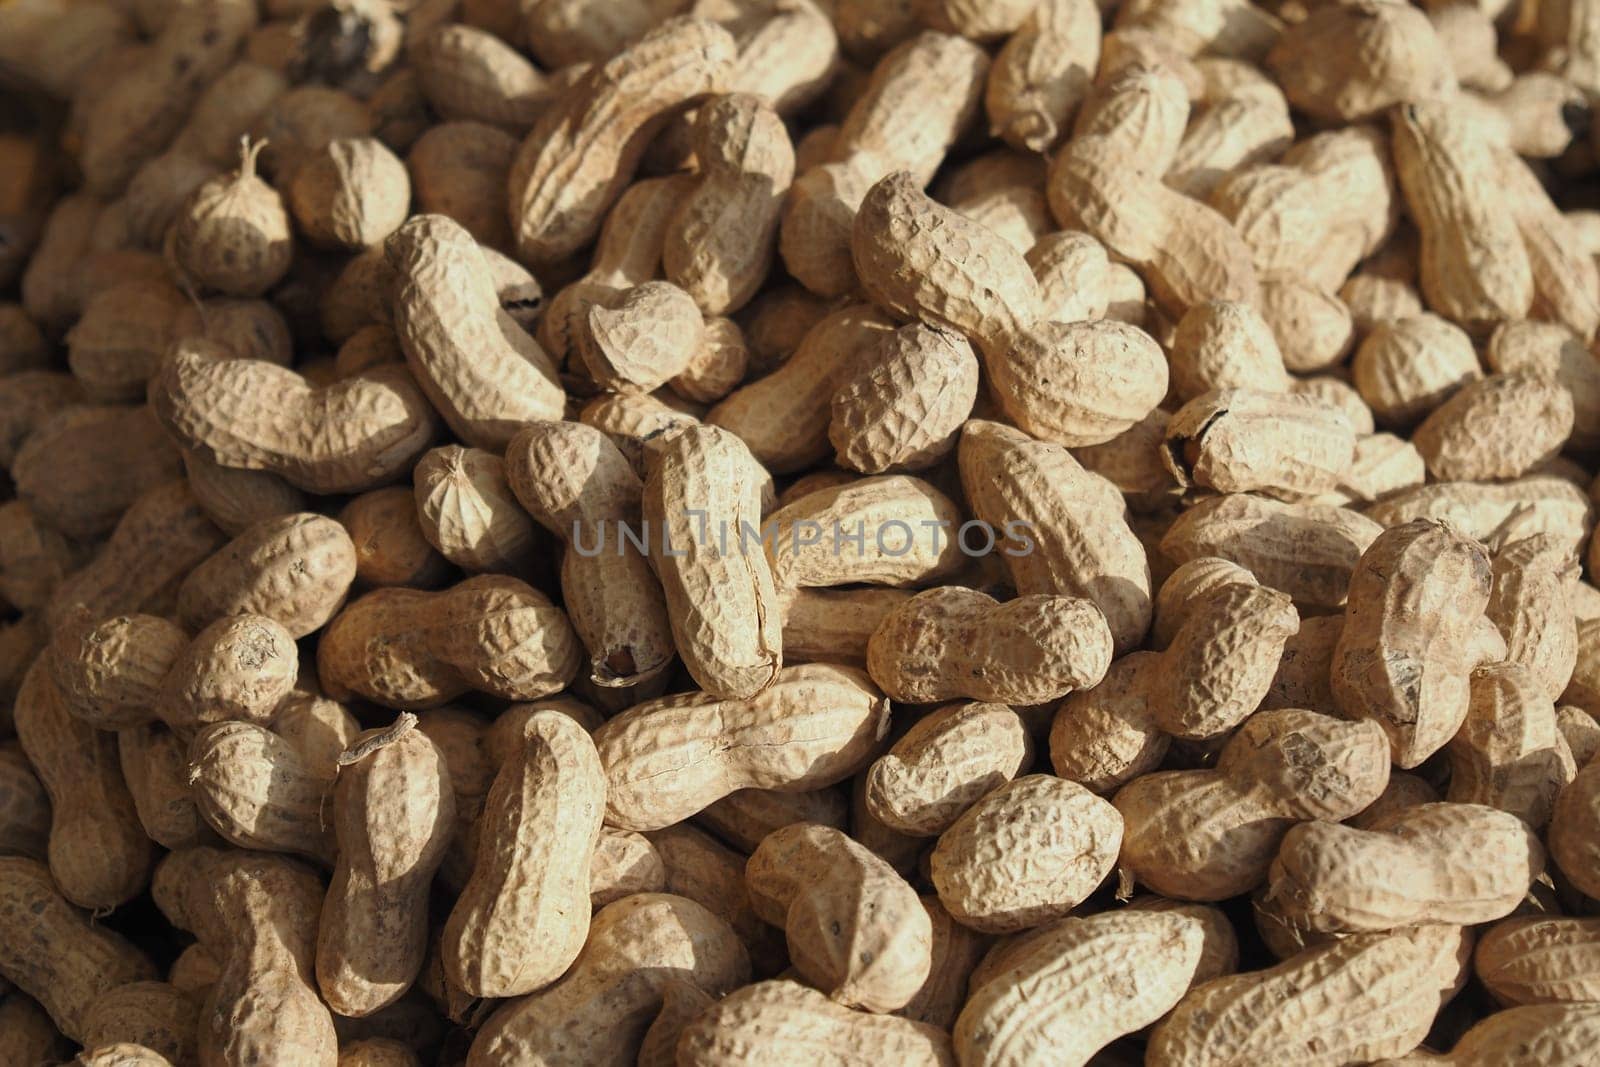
(352, 193)
(855, 928)
(483, 373)
(257, 791)
(1390, 665)
(600, 1010)
(703, 492)
(1537, 960)
(393, 811)
(1080, 968)
(99, 855)
(1572, 826)
(408, 649)
(785, 1019)
(1419, 864)
(1354, 1000)
(467, 511)
(1061, 527)
(294, 569)
(953, 642)
(154, 1015)
(389, 543)
(1211, 834)
(920, 96)
(721, 239)
(523, 916)
(584, 148)
(669, 758)
(1028, 852)
(349, 436)
(946, 762)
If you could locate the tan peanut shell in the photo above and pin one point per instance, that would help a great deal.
(1077, 985)
(1534, 504)
(459, 169)
(83, 467)
(351, 194)
(948, 760)
(1062, 528)
(1042, 74)
(469, 73)
(234, 498)
(1496, 428)
(783, 1019)
(720, 242)
(711, 874)
(584, 148)
(627, 253)
(1240, 441)
(783, 417)
(902, 409)
(349, 436)
(1408, 366)
(1572, 829)
(953, 642)
(523, 915)
(1552, 1033)
(701, 500)
(1535, 959)
(392, 812)
(1509, 753)
(1401, 658)
(155, 766)
(24, 806)
(257, 791)
(717, 367)
(481, 371)
(913, 107)
(116, 345)
(624, 863)
(1106, 736)
(239, 667)
(1358, 999)
(1028, 852)
(1475, 271)
(294, 569)
(1004, 191)
(1305, 550)
(1217, 669)
(467, 510)
(640, 338)
(885, 530)
(409, 649)
(600, 1010)
(233, 234)
(154, 1015)
(52, 950)
(669, 758)
(1211, 834)
(834, 625)
(855, 928)
(389, 544)
(98, 852)
(259, 914)
(576, 483)
(1077, 383)
(1420, 864)
(28, 399)
(158, 539)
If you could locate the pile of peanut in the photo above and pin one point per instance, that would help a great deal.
(859, 533)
